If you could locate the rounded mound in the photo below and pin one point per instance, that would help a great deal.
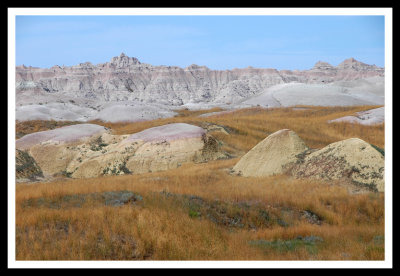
(132, 113)
(63, 134)
(168, 133)
(352, 159)
(271, 155)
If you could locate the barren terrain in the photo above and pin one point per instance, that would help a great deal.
(124, 89)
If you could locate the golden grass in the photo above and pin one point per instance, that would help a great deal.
(162, 228)
(250, 126)
(26, 127)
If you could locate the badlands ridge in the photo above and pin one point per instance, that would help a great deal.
(124, 89)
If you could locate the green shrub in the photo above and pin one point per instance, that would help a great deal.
(380, 150)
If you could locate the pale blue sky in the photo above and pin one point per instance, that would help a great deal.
(218, 42)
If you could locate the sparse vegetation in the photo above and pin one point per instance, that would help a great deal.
(382, 151)
(309, 243)
(26, 166)
(97, 144)
(66, 173)
(124, 169)
(201, 212)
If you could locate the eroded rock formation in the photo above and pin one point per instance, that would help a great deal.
(88, 150)
(86, 91)
(271, 155)
(352, 159)
(283, 152)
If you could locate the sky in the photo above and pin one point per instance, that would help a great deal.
(218, 42)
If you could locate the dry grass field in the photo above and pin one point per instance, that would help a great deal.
(200, 211)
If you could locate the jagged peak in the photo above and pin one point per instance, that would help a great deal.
(196, 67)
(320, 62)
(124, 61)
(87, 63)
(322, 65)
(350, 61)
(354, 64)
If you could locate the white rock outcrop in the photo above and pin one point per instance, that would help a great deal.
(62, 135)
(368, 117)
(352, 160)
(88, 150)
(272, 155)
(165, 147)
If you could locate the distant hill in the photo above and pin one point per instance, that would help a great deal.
(86, 91)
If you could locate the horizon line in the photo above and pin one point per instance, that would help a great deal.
(193, 64)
